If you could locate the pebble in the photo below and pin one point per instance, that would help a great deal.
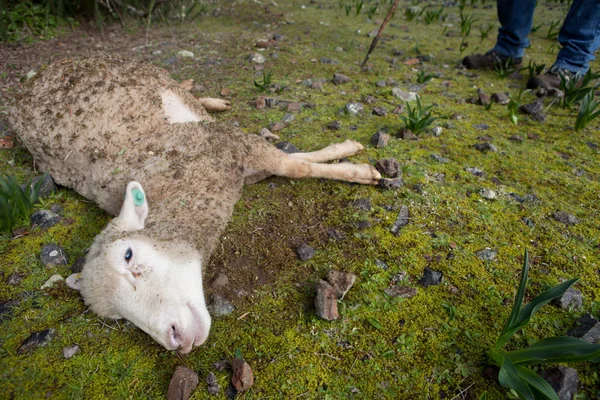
(257, 58)
(341, 282)
(213, 384)
(267, 134)
(483, 147)
(325, 60)
(362, 204)
(500, 98)
(53, 255)
(242, 376)
(572, 298)
(15, 278)
(564, 381)
(487, 254)
(475, 171)
(70, 351)
(430, 277)
(56, 208)
(586, 328)
(220, 305)
(481, 127)
(354, 108)
(277, 126)
(183, 383)
(35, 340)
(406, 96)
(401, 220)
(488, 194)
(389, 167)
(340, 79)
(47, 187)
(405, 292)
(295, 107)
(381, 83)
(380, 139)
(6, 309)
(482, 97)
(334, 125)
(44, 218)
(335, 234)
(288, 118)
(440, 159)
(405, 134)
(305, 252)
(220, 281)
(317, 85)
(437, 131)
(185, 54)
(566, 218)
(391, 184)
(379, 111)
(326, 301)
(287, 147)
(51, 281)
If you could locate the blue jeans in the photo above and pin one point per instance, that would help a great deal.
(579, 35)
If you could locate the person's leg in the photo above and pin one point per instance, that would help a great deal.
(580, 38)
(516, 18)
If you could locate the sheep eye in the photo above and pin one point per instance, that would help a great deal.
(128, 254)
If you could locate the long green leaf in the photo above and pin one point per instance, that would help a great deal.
(557, 349)
(514, 314)
(540, 388)
(509, 378)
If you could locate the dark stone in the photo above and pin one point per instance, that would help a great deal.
(379, 111)
(335, 234)
(278, 37)
(381, 83)
(482, 127)
(475, 171)
(222, 365)
(326, 301)
(586, 328)
(566, 218)
(516, 138)
(430, 277)
(35, 340)
(288, 118)
(44, 218)
(572, 298)
(6, 309)
(440, 159)
(533, 108)
(362, 204)
(53, 255)
(592, 145)
(305, 252)
(483, 147)
(363, 224)
(339, 79)
(213, 384)
(405, 292)
(482, 97)
(341, 282)
(487, 254)
(564, 381)
(380, 139)
(220, 305)
(405, 134)
(325, 60)
(401, 220)
(78, 265)
(391, 184)
(370, 99)
(15, 279)
(287, 147)
(335, 125)
(389, 167)
(56, 208)
(500, 98)
(230, 392)
(47, 187)
(183, 383)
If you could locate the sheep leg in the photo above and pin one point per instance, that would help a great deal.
(215, 105)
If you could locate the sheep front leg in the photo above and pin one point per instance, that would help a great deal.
(214, 105)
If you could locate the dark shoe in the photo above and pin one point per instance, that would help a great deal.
(550, 79)
(491, 60)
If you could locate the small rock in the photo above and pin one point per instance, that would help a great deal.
(440, 159)
(381, 83)
(287, 147)
(317, 85)
(335, 234)
(70, 351)
(213, 384)
(14, 279)
(56, 208)
(533, 108)
(399, 277)
(46, 188)
(487, 254)
(340, 79)
(277, 126)
(294, 107)
(501, 98)
(389, 167)
(475, 171)
(277, 36)
(242, 376)
(185, 54)
(222, 365)
(325, 60)
(257, 58)
(35, 340)
(564, 381)
(401, 220)
(326, 301)
(380, 139)
(572, 298)
(53, 255)
(516, 138)
(44, 218)
(6, 309)
(586, 328)
(267, 134)
(566, 218)
(406, 96)
(362, 204)
(379, 111)
(482, 97)
(430, 277)
(437, 131)
(405, 134)
(391, 184)
(341, 282)
(405, 292)
(220, 281)
(334, 125)
(481, 127)
(219, 305)
(183, 383)
(51, 281)
(483, 147)
(288, 118)
(399, 109)
(305, 252)
(488, 194)
(382, 264)
(171, 60)
(354, 108)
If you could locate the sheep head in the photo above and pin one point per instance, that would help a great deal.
(154, 284)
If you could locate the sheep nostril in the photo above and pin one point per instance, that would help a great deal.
(174, 336)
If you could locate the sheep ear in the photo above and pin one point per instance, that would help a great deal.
(135, 208)
(74, 281)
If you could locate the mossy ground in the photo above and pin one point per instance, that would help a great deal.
(422, 350)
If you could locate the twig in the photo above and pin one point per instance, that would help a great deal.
(381, 28)
(327, 355)
(109, 327)
(462, 391)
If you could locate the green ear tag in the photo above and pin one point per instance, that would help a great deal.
(138, 197)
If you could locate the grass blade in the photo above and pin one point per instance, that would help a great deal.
(509, 378)
(540, 388)
(557, 349)
(514, 314)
